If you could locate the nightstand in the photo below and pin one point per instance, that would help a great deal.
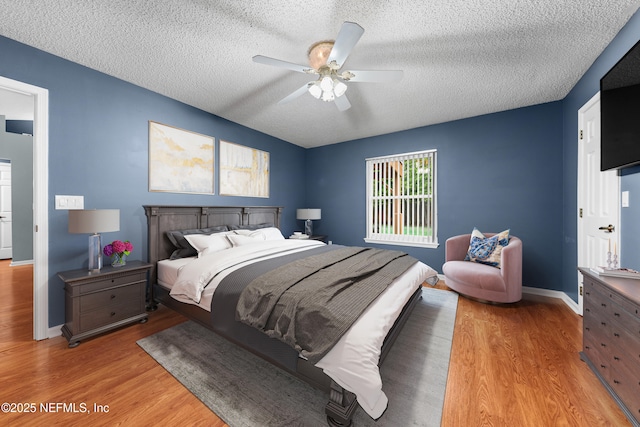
(99, 302)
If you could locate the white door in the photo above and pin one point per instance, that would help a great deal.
(598, 196)
(5, 211)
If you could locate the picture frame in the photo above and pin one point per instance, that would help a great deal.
(244, 171)
(180, 161)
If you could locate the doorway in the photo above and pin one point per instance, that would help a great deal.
(40, 202)
(598, 197)
(6, 246)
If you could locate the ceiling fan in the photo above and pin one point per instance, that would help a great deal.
(326, 59)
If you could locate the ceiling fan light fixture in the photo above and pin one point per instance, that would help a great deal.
(326, 83)
(328, 96)
(339, 88)
(319, 53)
(314, 90)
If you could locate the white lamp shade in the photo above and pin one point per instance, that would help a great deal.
(94, 221)
(305, 214)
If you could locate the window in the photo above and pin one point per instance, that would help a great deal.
(401, 199)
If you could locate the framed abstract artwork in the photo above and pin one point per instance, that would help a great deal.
(180, 161)
(244, 171)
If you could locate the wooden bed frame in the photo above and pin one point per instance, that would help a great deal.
(160, 219)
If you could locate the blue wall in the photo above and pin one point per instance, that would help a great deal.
(98, 148)
(495, 172)
(629, 228)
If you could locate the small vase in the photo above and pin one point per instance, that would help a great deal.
(118, 260)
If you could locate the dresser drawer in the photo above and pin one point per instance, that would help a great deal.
(110, 314)
(625, 335)
(116, 281)
(626, 384)
(596, 353)
(625, 308)
(101, 299)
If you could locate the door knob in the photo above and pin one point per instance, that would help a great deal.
(608, 229)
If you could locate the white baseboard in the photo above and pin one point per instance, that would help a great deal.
(543, 292)
(553, 294)
(17, 263)
(56, 331)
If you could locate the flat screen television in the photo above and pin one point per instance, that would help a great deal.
(620, 113)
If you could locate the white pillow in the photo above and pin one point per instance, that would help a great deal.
(268, 233)
(241, 240)
(208, 243)
(272, 233)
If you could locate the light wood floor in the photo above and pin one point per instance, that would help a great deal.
(514, 365)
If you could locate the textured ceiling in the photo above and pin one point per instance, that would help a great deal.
(461, 58)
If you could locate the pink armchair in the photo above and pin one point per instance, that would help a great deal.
(482, 281)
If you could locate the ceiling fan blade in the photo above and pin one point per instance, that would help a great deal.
(295, 94)
(380, 76)
(342, 103)
(284, 64)
(347, 38)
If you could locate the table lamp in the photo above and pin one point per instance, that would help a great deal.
(308, 215)
(94, 222)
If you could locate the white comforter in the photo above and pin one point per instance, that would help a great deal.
(353, 361)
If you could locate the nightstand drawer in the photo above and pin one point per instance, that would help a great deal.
(110, 314)
(120, 280)
(97, 300)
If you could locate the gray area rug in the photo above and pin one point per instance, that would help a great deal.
(246, 391)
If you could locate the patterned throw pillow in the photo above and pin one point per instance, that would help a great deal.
(487, 250)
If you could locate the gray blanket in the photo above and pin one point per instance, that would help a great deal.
(311, 302)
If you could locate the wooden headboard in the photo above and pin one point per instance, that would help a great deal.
(161, 219)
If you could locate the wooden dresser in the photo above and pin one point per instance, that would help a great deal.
(98, 302)
(611, 337)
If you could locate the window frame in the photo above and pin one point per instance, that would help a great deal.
(402, 239)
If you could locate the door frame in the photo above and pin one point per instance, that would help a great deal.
(581, 196)
(40, 202)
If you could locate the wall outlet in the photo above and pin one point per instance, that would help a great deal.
(69, 202)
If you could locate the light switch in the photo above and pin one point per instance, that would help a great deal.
(625, 199)
(69, 202)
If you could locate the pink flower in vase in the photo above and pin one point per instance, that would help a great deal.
(118, 246)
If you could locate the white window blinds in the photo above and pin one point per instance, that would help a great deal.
(401, 202)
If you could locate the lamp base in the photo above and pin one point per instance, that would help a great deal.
(308, 228)
(95, 253)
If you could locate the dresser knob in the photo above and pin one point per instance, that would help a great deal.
(603, 344)
(616, 382)
(616, 335)
(113, 296)
(113, 313)
(616, 358)
(603, 304)
(616, 314)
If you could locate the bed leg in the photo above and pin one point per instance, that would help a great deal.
(341, 406)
